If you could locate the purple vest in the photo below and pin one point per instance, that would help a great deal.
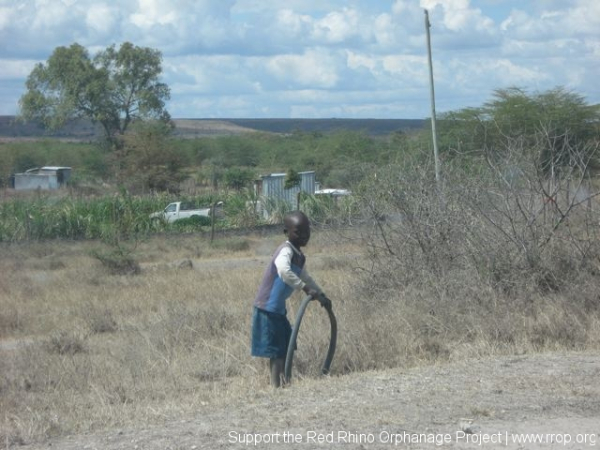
(273, 292)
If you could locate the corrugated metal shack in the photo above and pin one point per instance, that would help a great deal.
(271, 191)
(45, 178)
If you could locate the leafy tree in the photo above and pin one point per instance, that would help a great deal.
(148, 159)
(548, 121)
(238, 178)
(115, 88)
(292, 179)
(357, 145)
(238, 150)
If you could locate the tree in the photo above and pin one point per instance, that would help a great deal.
(113, 89)
(292, 179)
(238, 178)
(544, 123)
(148, 160)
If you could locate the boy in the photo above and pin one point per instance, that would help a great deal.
(271, 329)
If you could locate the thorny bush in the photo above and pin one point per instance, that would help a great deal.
(502, 220)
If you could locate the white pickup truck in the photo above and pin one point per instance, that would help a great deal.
(180, 210)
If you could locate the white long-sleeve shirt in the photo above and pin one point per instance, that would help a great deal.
(284, 274)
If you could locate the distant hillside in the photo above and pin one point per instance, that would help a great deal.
(10, 128)
(190, 128)
(371, 126)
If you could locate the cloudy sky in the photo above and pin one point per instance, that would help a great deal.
(319, 58)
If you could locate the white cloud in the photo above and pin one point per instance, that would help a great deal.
(359, 60)
(460, 16)
(574, 18)
(292, 22)
(539, 50)
(337, 26)
(15, 69)
(320, 57)
(584, 17)
(491, 73)
(50, 15)
(100, 18)
(268, 6)
(521, 25)
(411, 67)
(6, 16)
(314, 68)
(154, 12)
(212, 74)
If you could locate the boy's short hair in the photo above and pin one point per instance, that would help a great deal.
(294, 215)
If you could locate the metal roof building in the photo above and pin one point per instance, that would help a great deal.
(271, 190)
(47, 177)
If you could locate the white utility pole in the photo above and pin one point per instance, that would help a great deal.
(433, 132)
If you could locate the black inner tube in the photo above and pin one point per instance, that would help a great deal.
(289, 359)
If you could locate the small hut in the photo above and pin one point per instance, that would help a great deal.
(271, 191)
(45, 178)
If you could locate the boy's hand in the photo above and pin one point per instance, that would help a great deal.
(312, 292)
(324, 301)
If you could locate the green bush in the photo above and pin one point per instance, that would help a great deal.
(45, 217)
(192, 222)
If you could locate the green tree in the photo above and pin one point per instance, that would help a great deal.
(238, 178)
(292, 179)
(148, 159)
(547, 123)
(115, 88)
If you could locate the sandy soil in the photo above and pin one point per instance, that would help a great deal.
(554, 398)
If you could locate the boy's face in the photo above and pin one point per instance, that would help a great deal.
(298, 231)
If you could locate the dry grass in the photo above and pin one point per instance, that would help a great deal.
(82, 349)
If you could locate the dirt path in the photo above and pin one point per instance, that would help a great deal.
(554, 398)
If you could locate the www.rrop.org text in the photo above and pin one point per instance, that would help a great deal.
(404, 438)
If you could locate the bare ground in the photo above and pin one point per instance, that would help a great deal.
(552, 397)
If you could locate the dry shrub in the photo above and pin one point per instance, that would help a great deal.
(49, 263)
(117, 263)
(480, 263)
(434, 323)
(66, 343)
(101, 320)
(500, 219)
(10, 321)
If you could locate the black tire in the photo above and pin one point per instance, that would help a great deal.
(289, 359)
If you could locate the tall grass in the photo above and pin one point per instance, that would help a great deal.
(43, 217)
(73, 217)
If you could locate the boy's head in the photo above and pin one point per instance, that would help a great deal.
(297, 228)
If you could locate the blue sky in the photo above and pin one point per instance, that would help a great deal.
(319, 58)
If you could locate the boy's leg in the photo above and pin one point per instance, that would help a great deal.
(277, 366)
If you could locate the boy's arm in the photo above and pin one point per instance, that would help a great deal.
(315, 290)
(304, 276)
(283, 263)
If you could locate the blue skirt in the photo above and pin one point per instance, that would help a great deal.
(270, 334)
